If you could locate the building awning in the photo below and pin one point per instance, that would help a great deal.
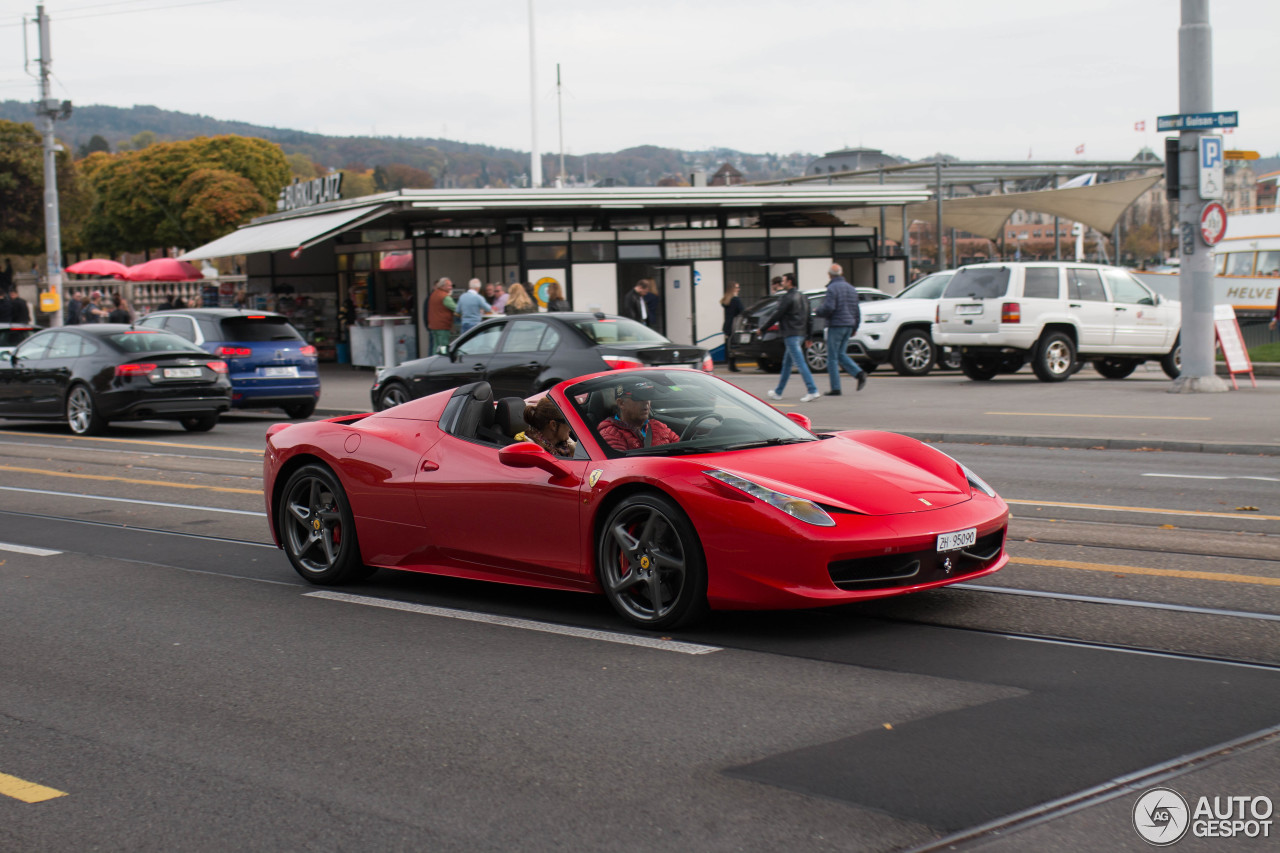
(287, 234)
(1099, 206)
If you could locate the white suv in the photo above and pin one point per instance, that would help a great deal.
(1056, 315)
(897, 330)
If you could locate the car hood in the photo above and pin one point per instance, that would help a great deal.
(845, 473)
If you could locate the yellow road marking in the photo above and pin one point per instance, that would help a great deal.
(1140, 570)
(1124, 417)
(1196, 512)
(28, 792)
(104, 477)
(143, 441)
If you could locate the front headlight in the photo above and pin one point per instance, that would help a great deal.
(876, 318)
(806, 511)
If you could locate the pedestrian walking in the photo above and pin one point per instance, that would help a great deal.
(793, 324)
(439, 313)
(732, 305)
(842, 313)
(471, 307)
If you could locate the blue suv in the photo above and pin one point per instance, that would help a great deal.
(269, 363)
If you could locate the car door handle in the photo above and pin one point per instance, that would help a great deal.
(477, 367)
(1118, 308)
(1074, 304)
(428, 465)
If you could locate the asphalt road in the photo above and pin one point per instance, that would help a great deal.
(167, 672)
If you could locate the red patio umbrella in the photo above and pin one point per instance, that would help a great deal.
(99, 266)
(163, 269)
(396, 261)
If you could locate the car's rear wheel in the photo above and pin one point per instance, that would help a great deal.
(200, 423)
(317, 527)
(82, 412)
(392, 394)
(815, 355)
(912, 352)
(1115, 368)
(650, 563)
(980, 369)
(1172, 362)
(298, 411)
(1055, 357)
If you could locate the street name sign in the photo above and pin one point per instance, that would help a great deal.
(1197, 121)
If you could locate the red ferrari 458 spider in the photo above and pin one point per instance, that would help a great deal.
(681, 492)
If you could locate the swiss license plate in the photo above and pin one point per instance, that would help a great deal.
(968, 309)
(280, 371)
(181, 372)
(957, 540)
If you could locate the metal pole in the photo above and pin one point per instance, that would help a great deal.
(45, 112)
(535, 165)
(906, 247)
(938, 195)
(560, 118)
(1195, 276)
(1057, 234)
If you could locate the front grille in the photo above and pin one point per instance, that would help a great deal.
(889, 571)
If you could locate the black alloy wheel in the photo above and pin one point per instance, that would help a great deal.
(1115, 368)
(392, 394)
(298, 411)
(1054, 359)
(199, 423)
(82, 412)
(1172, 362)
(978, 369)
(317, 528)
(912, 353)
(651, 564)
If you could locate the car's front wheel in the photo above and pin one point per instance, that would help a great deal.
(317, 527)
(650, 563)
(82, 412)
(913, 353)
(392, 394)
(1055, 358)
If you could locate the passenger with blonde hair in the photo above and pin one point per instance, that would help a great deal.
(555, 298)
(547, 427)
(518, 302)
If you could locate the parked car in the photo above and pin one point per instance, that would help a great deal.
(898, 330)
(271, 366)
(523, 354)
(12, 334)
(756, 338)
(92, 374)
(748, 509)
(1056, 315)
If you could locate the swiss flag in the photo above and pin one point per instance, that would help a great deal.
(1139, 125)
(1080, 148)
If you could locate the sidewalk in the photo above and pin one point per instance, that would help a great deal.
(1086, 411)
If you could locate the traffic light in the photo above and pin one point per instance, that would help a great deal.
(1171, 173)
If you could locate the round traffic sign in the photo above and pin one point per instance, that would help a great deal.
(1213, 223)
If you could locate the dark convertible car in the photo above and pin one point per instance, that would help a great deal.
(527, 353)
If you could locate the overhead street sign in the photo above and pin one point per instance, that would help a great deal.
(1236, 154)
(1197, 121)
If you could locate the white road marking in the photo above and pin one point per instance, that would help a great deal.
(131, 501)
(1212, 477)
(526, 624)
(26, 549)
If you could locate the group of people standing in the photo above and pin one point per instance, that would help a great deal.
(477, 302)
(13, 308)
(92, 307)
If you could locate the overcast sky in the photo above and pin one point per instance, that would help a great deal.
(983, 79)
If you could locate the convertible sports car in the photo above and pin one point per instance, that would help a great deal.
(721, 501)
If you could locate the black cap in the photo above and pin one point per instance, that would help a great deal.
(636, 389)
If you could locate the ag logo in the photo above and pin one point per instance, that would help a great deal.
(1161, 816)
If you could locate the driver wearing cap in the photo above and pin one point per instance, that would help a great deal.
(631, 427)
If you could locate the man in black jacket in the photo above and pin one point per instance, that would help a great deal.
(633, 304)
(793, 325)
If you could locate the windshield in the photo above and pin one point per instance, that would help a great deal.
(139, 340)
(255, 327)
(979, 283)
(929, 287)
(618, 330)
(697, 413)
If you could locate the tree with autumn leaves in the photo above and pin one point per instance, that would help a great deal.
(22, 192)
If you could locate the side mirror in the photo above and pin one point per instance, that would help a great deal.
(526, 454)
(802, 420)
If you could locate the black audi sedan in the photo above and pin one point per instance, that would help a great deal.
(92, 374)
(526, 353)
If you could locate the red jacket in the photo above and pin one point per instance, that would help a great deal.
(619, 436)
